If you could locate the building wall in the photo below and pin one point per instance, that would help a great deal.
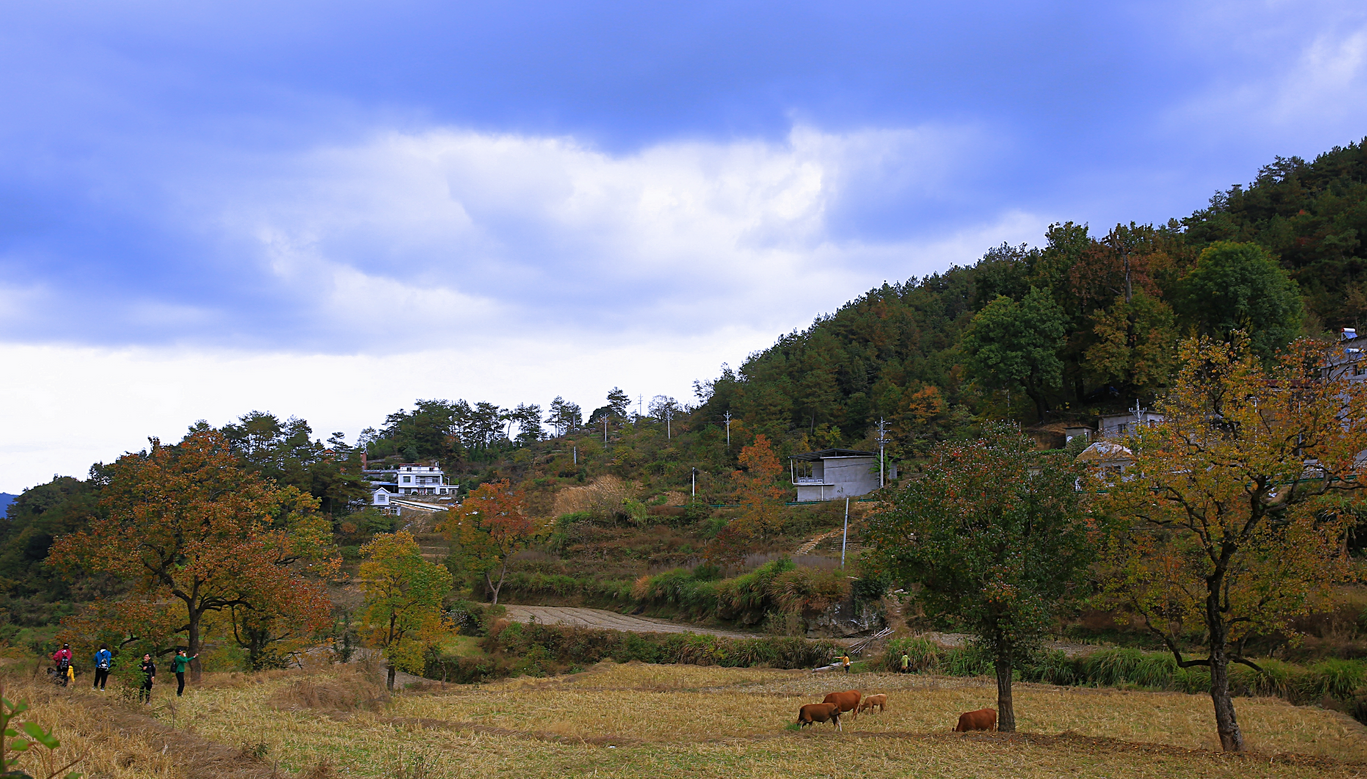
(842, 477)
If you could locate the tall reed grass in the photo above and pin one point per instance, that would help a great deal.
(1341, 684)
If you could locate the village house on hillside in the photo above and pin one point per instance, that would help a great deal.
(830, 474)
(396, 487)
(1347, 360)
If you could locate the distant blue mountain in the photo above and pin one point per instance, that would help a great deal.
(5, 500)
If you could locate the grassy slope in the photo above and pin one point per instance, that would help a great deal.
(642, 720)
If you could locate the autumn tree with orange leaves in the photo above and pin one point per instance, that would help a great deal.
(192, 532)
(760, 498)
(489, 528)
(1233, 519)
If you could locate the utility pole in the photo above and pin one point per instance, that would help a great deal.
(695, 483)
(669, 419)
(845, 539)
(605, 428)
(576, 454)
(882, 439)
(727, 417)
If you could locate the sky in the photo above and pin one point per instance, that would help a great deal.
(329, 210)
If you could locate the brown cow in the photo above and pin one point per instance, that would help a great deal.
(812, 713)
(879, 702)
(848, 700)
(982, 719)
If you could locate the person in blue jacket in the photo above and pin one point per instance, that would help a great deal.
(103, 659)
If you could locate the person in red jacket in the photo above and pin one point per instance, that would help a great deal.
(62, 659)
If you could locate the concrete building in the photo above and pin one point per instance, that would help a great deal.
(1114, 427)
(1348, 359)
(831, 474)
(410, 479)
(1110, 459)
(396, 484)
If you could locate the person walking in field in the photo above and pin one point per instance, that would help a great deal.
(149, 675)
(906, 663)
(178, 664)
(103, 659)
(845, 662)
(62, 659)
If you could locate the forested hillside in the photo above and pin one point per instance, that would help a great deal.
(1084, 323)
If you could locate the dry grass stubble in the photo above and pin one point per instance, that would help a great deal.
(649, 721)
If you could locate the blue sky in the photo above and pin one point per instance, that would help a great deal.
(330, 209)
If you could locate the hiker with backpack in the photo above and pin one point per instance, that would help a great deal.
(103, 659)
(62, 659)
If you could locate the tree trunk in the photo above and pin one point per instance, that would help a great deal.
(494, 588)
(1231, 738)
(1006, 714)
(196, 670)
(389, 681)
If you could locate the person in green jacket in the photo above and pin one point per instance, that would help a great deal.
(178, 664)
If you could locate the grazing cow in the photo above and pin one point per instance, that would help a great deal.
(819, 712)
(879, 702)
(982, 719)
(848, 700)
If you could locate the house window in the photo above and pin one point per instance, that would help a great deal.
(1122, 428)
(408, 480)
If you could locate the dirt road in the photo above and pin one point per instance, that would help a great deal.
(608, 620)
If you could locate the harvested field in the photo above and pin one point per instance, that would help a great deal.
(651, 721)
(600, 619)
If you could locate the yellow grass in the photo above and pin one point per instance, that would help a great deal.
(659, 721)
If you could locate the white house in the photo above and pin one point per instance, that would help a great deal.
(1111, 459)
(406, 479)
(1115, 427)
(831, 474)
(1348, 360)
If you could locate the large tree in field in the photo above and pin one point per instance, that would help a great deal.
(403, 597)
(1012, 343)
(1233, 519)
(994, 534)
(488, 529)
(190, 525)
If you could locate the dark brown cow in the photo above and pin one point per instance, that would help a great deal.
(848, 700)
(879, 702)
(812, 713)
(982, 719)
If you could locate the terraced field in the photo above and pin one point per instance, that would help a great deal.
(660, 721)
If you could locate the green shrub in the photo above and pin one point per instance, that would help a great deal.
(545, 649)
(923, 655)
(966, 661)
(1338, 679)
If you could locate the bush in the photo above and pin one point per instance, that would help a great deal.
(923, 656)
(1340, 682)
(545, 649)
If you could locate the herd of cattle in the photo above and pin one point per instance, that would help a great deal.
(838, 703)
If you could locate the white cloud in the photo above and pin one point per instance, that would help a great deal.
(1323, 86)
(518, 232)
(455, 264)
